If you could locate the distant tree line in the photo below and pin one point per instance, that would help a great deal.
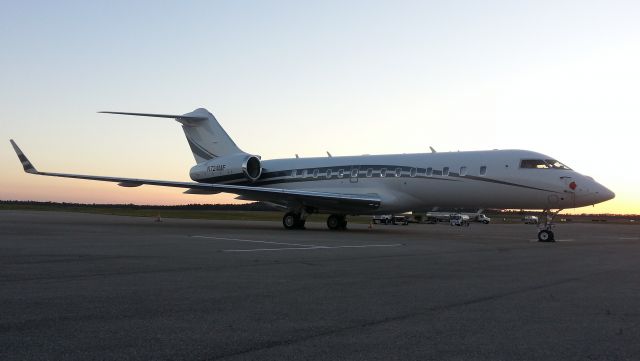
(254, 206)
(523, 212)
(261, 206)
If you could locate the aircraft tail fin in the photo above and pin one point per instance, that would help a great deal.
(206, 138)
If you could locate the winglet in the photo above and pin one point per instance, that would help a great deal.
(26, 164)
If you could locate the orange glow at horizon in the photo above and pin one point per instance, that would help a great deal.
(78, 191)
(25, 187)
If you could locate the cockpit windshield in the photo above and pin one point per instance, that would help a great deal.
(542, 164)
(554, 164)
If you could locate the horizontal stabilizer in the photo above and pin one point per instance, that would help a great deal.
(186, 117)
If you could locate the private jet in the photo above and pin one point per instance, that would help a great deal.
(369, 184)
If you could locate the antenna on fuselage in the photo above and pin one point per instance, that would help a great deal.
(432, 150)
(329, 154)
(297, 156)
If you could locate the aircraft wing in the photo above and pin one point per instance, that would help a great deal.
(327, 201)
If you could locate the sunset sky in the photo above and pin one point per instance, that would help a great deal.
(285, 77)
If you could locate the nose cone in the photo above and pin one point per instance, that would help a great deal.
(591, 193)
(601, 193)
(606, 194)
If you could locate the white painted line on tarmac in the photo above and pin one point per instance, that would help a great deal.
(630, 238)
(557, 240)
(254, 241)
(310, 248)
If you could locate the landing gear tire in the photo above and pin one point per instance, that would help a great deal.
(296, 219)
(336, 222)
(545, 236)
(290, 220)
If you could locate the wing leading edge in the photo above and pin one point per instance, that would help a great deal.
(321, 200)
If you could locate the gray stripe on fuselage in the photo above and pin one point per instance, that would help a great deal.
(310, 179)
(285, 175)
(268, 178)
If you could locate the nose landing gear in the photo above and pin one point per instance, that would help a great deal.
(546, 234)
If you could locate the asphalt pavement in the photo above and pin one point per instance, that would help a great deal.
(95, 287)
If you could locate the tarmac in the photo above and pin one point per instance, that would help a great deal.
(96, 287)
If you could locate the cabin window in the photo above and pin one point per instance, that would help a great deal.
(315, 173)
(383, 172)
(463, 171)
(445, 171)
(398, 172)
(483, 170)
(413, 172)
(341, 173)
(369, 172)
(429, 172)
(304, 173)
(328, 174)
(294, 173)
(354, 172)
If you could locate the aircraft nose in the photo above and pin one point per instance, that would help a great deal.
(606, 194)
(592, 193)
(602, 193)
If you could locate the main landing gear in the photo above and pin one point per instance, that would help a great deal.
(546, 234)
(337, 222)
(296, 220)
(292, 220)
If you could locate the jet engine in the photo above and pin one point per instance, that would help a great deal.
(228, 168)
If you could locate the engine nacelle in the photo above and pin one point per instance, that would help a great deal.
(227, 168)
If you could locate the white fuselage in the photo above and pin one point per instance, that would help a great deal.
(404, 182)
